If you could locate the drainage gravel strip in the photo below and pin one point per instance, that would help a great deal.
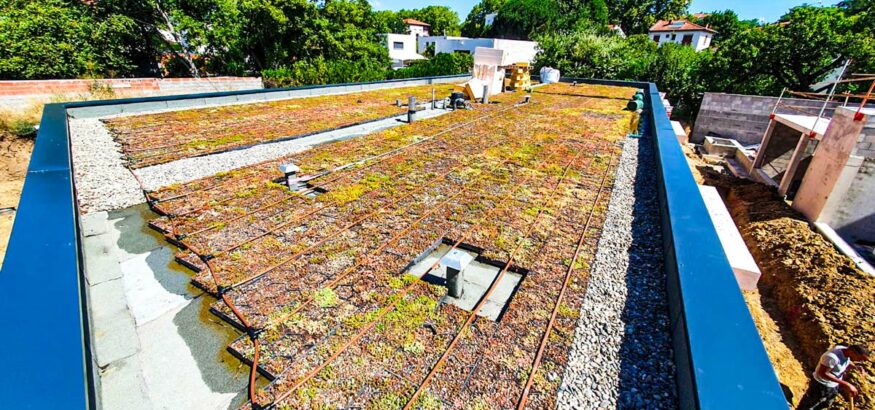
(622, 356)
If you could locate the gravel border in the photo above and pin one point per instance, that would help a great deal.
(622, 356)
(102, 181)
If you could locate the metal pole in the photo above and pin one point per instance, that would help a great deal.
(433, 102)
(411, 109)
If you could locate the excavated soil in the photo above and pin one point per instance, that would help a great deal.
(810, 295)
(14, 157)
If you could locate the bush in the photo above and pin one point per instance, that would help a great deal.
(321, 71)
(441, 64)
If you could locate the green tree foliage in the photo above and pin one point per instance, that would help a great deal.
(522, 19)
(475, 23)
(725, 23)
(65, 39)
(637, 16)
(321, 71)
(441, 64)
(443, 20)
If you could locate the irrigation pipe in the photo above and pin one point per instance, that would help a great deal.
(382, 313)
(543, 345)
(489, 291)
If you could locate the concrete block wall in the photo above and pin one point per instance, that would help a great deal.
(866, 143)
(745, 117)
(19, 96)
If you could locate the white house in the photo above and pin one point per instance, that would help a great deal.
(489, 19)
(417, 27)
(617, 29)
(682, 32)
(515, 51)
(402, 48)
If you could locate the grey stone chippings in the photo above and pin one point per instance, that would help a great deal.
(102, 181)
(622, 356)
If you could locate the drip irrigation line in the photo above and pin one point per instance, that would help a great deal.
(545, 338)
(473, 315)
(402, 293)
(499, 326)
(382, 247)
(421, 188)
(354, 163)
(253, 333)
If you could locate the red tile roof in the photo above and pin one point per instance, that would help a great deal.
(416, 22)
(678, 25)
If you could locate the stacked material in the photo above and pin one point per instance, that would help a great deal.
(520, 77)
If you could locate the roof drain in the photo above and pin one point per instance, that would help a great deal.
(455, 261)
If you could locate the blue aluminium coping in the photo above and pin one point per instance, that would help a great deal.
(720, 359)
(45, 356)
(721, 362)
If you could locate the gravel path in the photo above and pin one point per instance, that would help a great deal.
(102, 181)
(622, 357)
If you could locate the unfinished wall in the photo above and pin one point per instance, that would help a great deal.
(779, 150)
(22, 95)
(744, 117)
(839, 188)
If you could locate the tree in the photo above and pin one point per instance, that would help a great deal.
(60, 39)
(807, 44)
(475, 23)
(443, 20)
(725, 23)
(637, 16)
(522, 19)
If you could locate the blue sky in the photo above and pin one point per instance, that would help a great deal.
(770, 10)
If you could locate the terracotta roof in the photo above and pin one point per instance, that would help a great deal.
(416, 22)
(678, 25)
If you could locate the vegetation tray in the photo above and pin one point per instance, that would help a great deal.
(164, 137)
(321, 283)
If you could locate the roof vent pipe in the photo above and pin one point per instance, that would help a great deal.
(411, 109)
(291, 171)
(456, 261)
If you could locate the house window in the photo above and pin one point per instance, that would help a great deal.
(397, 45)
(656, 38)
(688, 39)
(674, 36)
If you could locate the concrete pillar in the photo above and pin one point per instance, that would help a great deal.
(798, 153)
(485, 94)
(758, 161)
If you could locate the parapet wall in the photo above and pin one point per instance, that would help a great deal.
(21, 95)
(746, 117)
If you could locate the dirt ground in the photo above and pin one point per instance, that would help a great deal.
(810, 295)
(14, 157)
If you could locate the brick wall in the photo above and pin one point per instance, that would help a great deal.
(745, 117)
(22, 95)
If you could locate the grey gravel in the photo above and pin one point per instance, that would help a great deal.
(622, 356)
(102, 181)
